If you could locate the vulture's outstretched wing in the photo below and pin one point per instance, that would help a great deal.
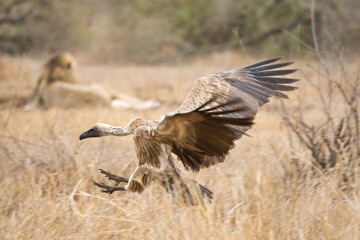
(218, 110)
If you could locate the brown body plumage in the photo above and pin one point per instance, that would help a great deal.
(219, 109)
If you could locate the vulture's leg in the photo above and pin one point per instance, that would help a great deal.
(188, 190)
(109, 189)
(204, 190)
(140, 178)
(117, 179)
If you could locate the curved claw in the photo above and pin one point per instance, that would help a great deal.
(107, 188)
(114, 177)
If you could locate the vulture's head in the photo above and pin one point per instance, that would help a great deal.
(95, 131)
(102, 129)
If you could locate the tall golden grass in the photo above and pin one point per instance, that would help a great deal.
(45, 175)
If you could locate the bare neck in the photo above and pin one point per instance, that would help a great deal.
(116, 131)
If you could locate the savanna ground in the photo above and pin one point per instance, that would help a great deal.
(46, 172)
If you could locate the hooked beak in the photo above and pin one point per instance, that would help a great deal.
(88, 134)
(91, 133)
(83, 136)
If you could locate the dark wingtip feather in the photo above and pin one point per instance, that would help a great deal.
(239, 109)
(275, 79)
(272, 66)
(262, 63)
(274, 73)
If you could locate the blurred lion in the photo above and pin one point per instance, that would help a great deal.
(58, 85)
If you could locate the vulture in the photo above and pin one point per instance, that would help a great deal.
(219, 109)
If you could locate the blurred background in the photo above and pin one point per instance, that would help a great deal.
(155, 31)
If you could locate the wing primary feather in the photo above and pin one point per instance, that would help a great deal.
(274, 86)
(278, 87)
(265, 92)
(262, 94)
(257, 91)
(268, 67)
(274, 79)
(273, 73)
(240, 109)
(262, 63)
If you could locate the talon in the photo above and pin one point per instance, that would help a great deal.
(113, 177)
(96, 183)
(107, 188)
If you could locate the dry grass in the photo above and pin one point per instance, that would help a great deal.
(45, 173)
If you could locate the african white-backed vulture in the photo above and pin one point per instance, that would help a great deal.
(219, 109)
